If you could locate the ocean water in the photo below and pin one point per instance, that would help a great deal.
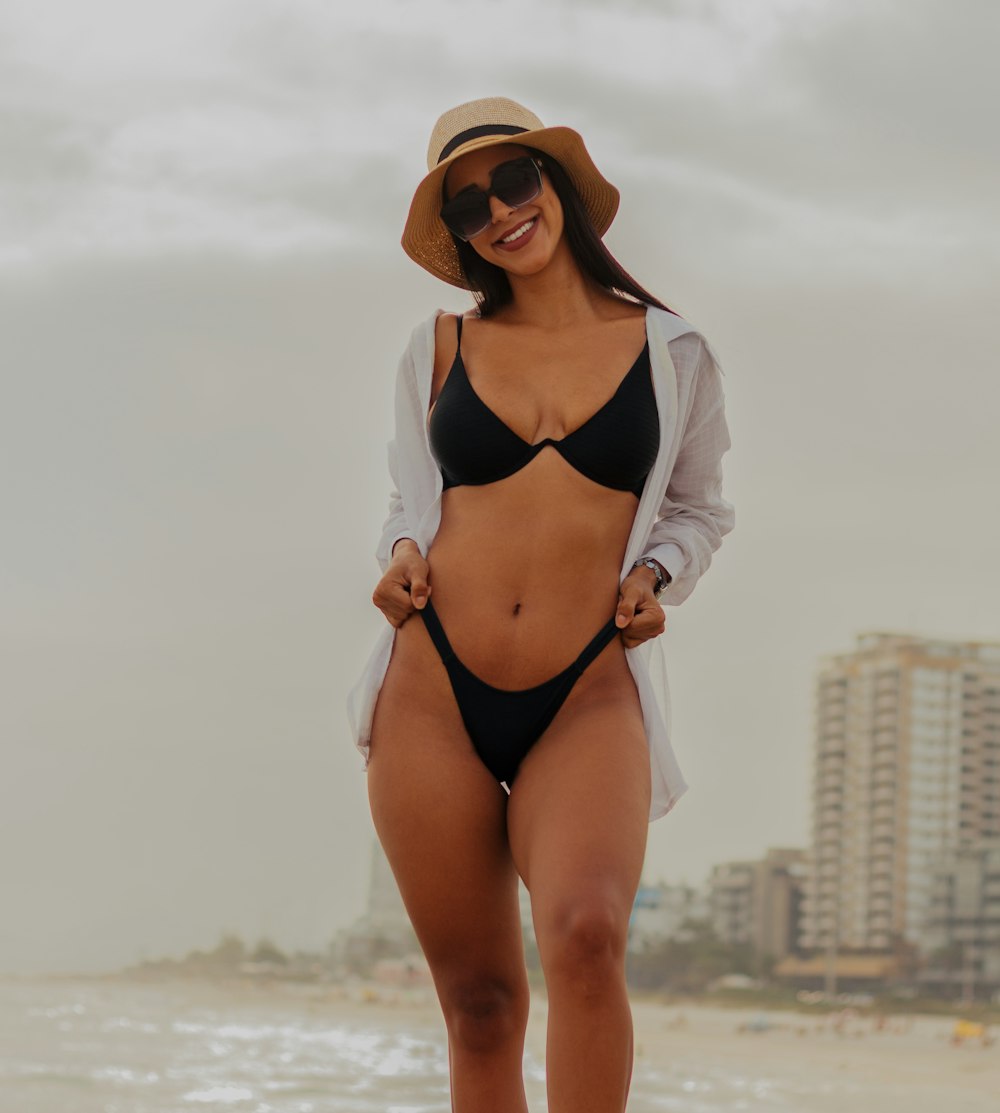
(112, 1046)
(116, 1047)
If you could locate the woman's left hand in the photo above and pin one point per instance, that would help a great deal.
(640, 616)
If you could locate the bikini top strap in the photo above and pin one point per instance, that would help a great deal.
(458, 320)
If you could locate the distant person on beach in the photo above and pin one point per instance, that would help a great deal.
(557, 475)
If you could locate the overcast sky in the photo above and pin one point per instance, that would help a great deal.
(202, 304)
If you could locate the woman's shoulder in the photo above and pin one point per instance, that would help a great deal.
(427, 336)
(442, 324)
(446, 339)
(446, 323)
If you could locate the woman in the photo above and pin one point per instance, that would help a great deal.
(557, 468)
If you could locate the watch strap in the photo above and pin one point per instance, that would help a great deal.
(661, 574)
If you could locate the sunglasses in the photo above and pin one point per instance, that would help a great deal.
(515, 183)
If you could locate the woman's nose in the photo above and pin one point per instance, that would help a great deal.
(498, 209)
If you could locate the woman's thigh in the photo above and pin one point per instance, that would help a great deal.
(578, 814)
(441, 818)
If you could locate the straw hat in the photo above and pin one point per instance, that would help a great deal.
(486, 123)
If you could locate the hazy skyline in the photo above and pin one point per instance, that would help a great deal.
(202, 304)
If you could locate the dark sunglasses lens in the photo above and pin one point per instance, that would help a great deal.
(467, 214)
(518, 182)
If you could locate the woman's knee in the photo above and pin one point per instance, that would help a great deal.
(484, 1011)
(583, 937)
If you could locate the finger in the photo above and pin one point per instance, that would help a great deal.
(394, 602)
(419, 590)
(648, 622)
(643, 627)
(626, 608)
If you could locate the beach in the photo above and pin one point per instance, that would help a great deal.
(800, 1062)
(115, 1046)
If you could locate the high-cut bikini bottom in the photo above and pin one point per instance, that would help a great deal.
(503, 725)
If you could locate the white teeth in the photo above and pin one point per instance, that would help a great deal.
(518, 232)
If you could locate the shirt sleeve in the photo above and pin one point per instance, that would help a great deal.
(694, 517)
(396, 525)
(407, 413)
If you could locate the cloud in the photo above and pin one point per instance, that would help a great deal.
(799, 128)
(242, 125)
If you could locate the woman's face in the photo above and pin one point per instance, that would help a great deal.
(540, 222)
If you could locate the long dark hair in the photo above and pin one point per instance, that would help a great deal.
(490, 285)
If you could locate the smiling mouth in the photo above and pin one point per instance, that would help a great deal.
(519, 231)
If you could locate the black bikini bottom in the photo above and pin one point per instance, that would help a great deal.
(504, 725)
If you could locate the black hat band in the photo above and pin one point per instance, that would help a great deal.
(475, 133)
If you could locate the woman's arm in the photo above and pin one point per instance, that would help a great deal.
(407, 415)
(422, 370)
(397, 525)
(404, 584)
(693, 517)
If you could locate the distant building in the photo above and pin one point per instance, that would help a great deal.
(384, 931)
(907, 769)
(386, 915)
(662, 912)
(757, 902)
(730, 901)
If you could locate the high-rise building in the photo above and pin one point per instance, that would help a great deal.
(907, 768)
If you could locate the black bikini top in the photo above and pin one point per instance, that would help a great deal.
(615, 447)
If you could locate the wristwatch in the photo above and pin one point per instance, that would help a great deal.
(661, 574)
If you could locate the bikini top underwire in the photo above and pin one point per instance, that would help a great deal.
(615, 447)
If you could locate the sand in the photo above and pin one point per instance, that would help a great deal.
(701, 1057)
(910, 1063)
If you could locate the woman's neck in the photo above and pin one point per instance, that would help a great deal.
(559, 296)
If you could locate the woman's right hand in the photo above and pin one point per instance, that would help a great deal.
(404, 587)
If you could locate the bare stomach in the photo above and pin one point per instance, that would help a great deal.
(525, 571)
